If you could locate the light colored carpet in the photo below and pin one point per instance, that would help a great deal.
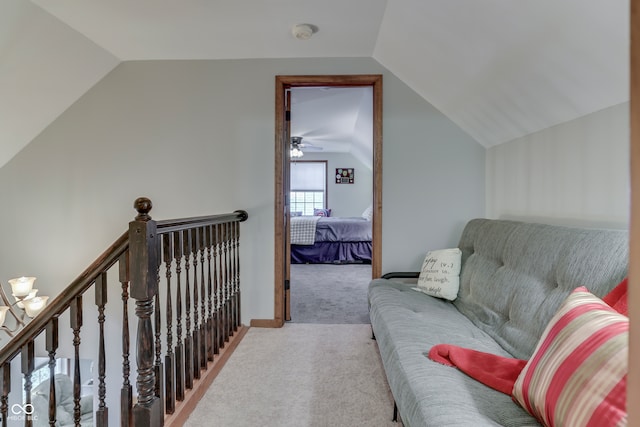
(330, 293)
(300, 375)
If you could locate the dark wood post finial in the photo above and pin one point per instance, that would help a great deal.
(143, 205)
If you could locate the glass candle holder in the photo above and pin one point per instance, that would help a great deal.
(34, 306)
(19, 300)
(21, 286)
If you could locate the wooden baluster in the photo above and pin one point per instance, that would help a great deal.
(210, 334)
(238, 318)
(158, 368)
(145, 261)
(179, 351)
(234, 283)
(225, 284)
(76, 325)
(203, 298)
(102, 414)
(232, 280)
(227, 281)
(126, 393)
(52, 347)
(6, 389)
(216, 290)
(196, 320)
(170, 395)
(223, 287)
(243, 217)
(28, 364)
(188, 339)
(221, 324)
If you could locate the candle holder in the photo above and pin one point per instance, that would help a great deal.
(26, 305)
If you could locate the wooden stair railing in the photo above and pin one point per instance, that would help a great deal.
(190, 310)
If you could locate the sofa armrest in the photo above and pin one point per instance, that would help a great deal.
(401, 275)
(406, 277)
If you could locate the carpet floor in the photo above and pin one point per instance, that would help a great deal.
(330, 294)
(300, 375)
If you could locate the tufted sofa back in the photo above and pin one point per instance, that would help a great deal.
(515, 275)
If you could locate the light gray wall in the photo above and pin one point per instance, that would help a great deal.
(575, 173)
(432, 173)
(197, 137)
(345, 199)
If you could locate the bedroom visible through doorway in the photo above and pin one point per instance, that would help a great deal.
(353, 181)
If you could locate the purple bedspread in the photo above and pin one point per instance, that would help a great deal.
(332, 253)
(337, 240)
(343, 229)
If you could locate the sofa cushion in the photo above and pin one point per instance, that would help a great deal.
(515, 275)
(578, 373)
(407, 324)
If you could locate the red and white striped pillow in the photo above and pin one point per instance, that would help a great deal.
(577, 375)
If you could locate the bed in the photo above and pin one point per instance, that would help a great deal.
(334, 240)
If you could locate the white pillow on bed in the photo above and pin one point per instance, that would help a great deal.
(440, 273)
(368, 213)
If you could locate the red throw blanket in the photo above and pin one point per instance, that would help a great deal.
(497, 372)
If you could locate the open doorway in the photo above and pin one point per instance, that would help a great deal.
(331, 193)
(284, 147)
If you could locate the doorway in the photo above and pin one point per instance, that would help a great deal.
(282, 175)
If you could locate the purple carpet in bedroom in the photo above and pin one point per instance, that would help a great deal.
(329, 293)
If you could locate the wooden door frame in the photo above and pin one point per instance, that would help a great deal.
(286, 82)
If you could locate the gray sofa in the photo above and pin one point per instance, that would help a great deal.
(513, 278)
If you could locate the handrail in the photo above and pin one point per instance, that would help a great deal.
(167, 226)
(82, 283)
(140, 251)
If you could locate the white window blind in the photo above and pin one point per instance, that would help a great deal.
(309, 176)
(308, 192)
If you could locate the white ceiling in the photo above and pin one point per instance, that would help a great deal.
(215, 29)
(500, 69)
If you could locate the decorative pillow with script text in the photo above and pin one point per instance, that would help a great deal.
(440, 273)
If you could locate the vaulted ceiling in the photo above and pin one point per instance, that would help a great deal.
(500, 69)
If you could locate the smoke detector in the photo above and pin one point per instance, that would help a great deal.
(303, 31)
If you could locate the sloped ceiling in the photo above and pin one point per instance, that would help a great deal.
(45, 66)
(500, 69)
(331, 118)
(503, 69)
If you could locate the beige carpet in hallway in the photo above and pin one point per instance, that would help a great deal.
(300, 375)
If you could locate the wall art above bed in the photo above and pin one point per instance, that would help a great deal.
(345, 175)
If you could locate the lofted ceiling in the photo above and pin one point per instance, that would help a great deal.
(500, 69)
(334, 119)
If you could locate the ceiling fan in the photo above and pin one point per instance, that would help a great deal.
(297, 145)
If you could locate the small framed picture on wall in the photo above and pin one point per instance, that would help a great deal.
(345, 175)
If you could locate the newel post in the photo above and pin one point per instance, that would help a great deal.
(144, 261)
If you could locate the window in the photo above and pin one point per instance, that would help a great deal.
(308, 186)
